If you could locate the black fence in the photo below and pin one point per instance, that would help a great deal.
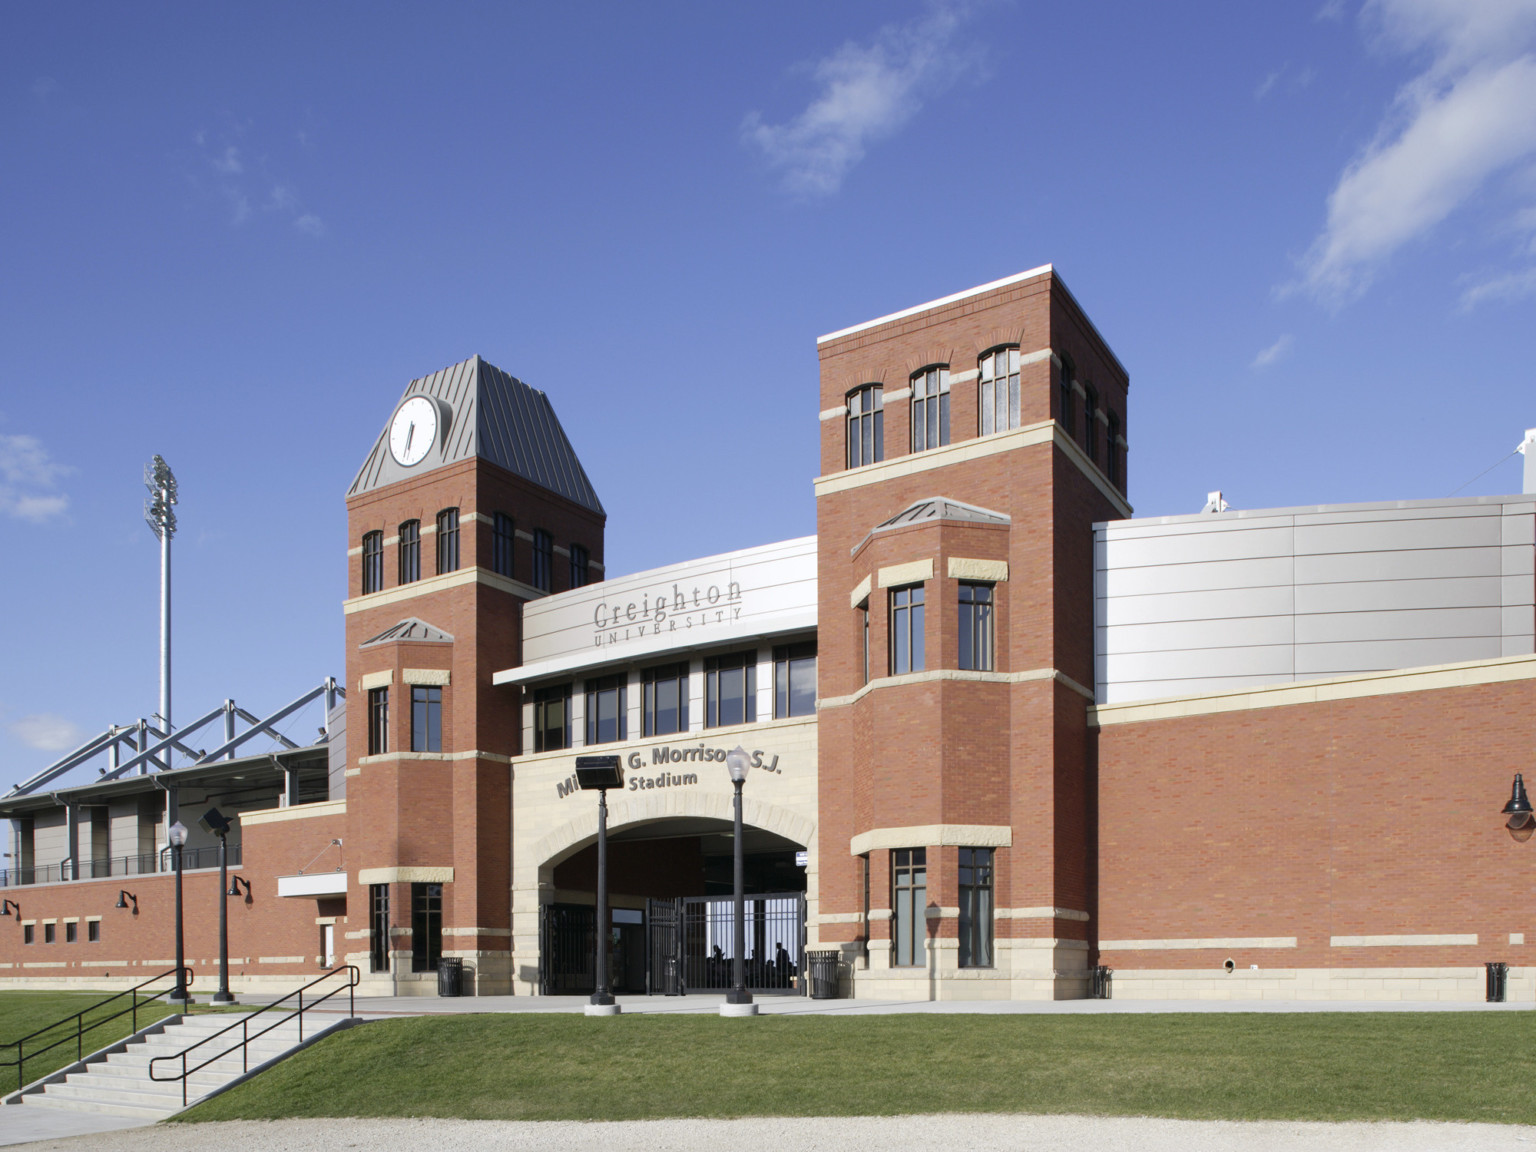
(678, 946)
(144, 864)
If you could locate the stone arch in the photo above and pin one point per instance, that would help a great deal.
(564, 841)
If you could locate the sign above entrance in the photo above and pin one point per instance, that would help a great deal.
(659, 755)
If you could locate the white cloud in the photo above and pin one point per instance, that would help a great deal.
(1274, 353)
(229, 162)
(868, 91)
(310, 223)
(1510, 286)
(29, 479)
(47, 732)
(1467, 117)
(247, 184)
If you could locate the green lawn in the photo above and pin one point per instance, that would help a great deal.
(25, 1012)
(1305, 1066)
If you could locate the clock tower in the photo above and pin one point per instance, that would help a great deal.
(471, 503)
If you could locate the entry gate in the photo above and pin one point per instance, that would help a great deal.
(691, 943)
(565, 949)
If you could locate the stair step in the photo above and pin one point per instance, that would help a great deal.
(138, 1111)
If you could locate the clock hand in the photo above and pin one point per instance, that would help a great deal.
(409, 432)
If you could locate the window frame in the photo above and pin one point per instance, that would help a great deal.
(907, 612)
(543, 697)
(1112, 448)
(977, 604)
(447, 541)
(581, 566)
(409, 549)
(378, 721)
(977, 874)
(503, 545)
(865, 429)
(986, 390)
(426, 718)
(543, 561)
(373, 562)
(50, 932)
(93, 931)
(426, 926)
(726, 663)
(595, 687)
(1091, 423)
(652, 682)
(1067, 398)
(787, 660)
(378, 925)
(909, 907)
(71, 932)
(929, 408)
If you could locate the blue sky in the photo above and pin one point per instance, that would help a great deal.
(231, 235)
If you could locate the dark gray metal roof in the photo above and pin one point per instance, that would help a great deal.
(413, 629)
(493, 416)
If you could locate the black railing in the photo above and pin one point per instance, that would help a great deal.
(246, 1035)
(135, 1002)
(143, 864)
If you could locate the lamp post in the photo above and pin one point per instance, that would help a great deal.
(1518, 810)
(738, 1001)
(216, 822)
(601, 773)
(176, 836)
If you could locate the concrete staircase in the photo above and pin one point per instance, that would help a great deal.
(119, 1085)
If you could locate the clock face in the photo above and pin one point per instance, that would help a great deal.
(413, 430)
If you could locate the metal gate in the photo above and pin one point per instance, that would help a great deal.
(664, 948)
(565, 949)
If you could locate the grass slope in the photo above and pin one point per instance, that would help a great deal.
(25, 1012)
(1334, 1066)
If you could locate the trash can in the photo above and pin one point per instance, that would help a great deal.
(450, 976)
(1498, 982)
(1101, 987)
(822, 969)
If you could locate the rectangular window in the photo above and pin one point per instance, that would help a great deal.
(1091, 425)
(605, 709)
(378, 721)
(410, 551)
(543, 560)
(864, 627)
(503, 533)
(866, 425)
(730, 689)
(794, 680)
(49, 931)
(373, 561)
(580, 563)
(930, 409)
(907, 629)
(71, 932)
(378, 923)
(665, 699)
(1112, 450)
(909, 904)
(93, 931)
(998, 401)
(426, 927)
(426, 718)
(976, 627)
(447, 540)
(1066, 405)
(975, 907)
(26, 934)
(552, 718)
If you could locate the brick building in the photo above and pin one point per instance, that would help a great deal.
(1003, 733)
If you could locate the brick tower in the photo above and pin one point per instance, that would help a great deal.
(471, 503)
(967, 447)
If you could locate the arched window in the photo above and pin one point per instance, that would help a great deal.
(448, 540)
(373, 561)
(410, 551)
(1112, 450)
(930, 408)
(1066, 402)
(999, 390)
(1091, 424)
(866, 425)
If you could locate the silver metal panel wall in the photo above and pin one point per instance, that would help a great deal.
(1207, 603)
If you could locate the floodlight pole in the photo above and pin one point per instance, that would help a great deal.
(161, 483)
(601, 931)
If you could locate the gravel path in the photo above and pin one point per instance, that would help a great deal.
(964, 1133)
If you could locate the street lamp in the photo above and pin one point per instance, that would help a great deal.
(216, 822)
(176, 836)
(601, 773)
(738, 1001)
(234, 887)
(123, 896)
(1519, 807)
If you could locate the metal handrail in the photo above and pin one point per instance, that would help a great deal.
(81, 1028)
(354, 976)
(102, 867)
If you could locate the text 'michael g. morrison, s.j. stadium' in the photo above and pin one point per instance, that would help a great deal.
(1004, 735)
